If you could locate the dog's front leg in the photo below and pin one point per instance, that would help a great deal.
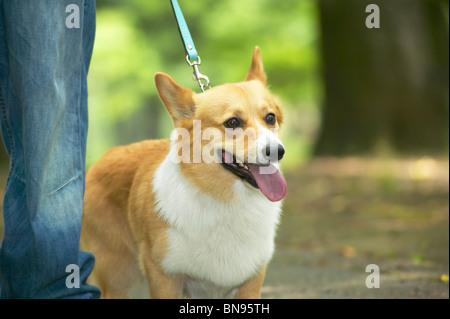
(162, 285)
(251, 289)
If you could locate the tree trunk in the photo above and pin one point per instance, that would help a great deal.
(387, 87)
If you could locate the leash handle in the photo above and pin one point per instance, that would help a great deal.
(184, 31)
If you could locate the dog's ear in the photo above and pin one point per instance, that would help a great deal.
(178, 100)
(256, 71)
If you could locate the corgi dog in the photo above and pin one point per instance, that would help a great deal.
(194, 228)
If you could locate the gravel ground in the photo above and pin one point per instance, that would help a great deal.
(306, 275)
(341, 215)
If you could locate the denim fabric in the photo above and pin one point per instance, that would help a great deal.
(43, 105)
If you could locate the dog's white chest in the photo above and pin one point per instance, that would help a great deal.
(214, 243)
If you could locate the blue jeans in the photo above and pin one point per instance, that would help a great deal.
(44, 58)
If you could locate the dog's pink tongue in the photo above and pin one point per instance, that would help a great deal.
(270, 181)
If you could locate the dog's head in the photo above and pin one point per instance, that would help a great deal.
(232, 127)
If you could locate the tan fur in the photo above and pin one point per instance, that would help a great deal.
(252, 288)
(120, 224)
(118, 214)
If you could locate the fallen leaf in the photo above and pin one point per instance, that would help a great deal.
(348, 252)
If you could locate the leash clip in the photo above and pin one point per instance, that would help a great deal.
(202, 79)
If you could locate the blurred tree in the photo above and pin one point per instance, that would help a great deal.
(4, 159)
(386, 88)
(137, 38)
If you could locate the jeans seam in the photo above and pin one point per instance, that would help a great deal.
(65, 184)
(18, 177)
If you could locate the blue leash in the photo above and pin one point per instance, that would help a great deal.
(192, 57)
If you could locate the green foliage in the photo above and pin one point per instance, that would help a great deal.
(137, 38)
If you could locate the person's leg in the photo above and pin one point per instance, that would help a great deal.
(43, 68)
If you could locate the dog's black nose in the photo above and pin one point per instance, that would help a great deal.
(274, 152)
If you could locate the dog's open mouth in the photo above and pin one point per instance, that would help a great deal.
(242, 170)
(267, 178)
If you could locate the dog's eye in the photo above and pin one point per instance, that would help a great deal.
(232, 123)
(271, 119)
